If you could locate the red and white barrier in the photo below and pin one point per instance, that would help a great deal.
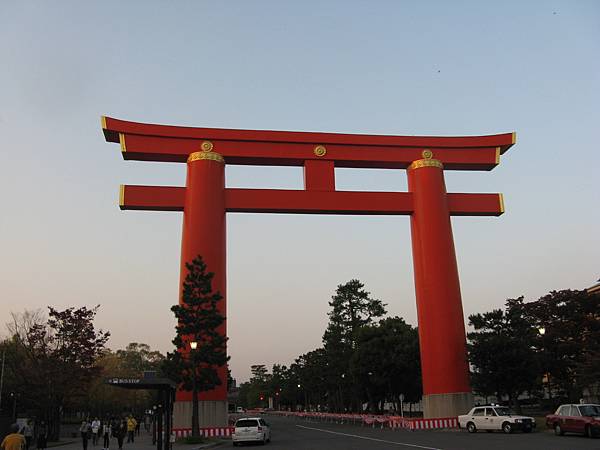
(424, 424)
(205, 432)
(407, 423)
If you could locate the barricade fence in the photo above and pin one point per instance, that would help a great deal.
(204, 432)
(375, 421)
(394, 422)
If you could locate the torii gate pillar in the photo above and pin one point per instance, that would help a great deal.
(204, 233)
(446, 390)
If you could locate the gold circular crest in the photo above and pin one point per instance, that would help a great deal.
(320, 150)
(206, 146)
(427, 154)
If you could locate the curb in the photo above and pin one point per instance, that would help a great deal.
(210, 445)
(59, 444)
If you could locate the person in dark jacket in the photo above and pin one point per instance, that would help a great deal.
(84, 429)
(42, 436)
(121, 432)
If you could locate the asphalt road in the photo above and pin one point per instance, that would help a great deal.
(292, 434)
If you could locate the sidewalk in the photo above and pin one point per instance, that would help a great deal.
(142, 442)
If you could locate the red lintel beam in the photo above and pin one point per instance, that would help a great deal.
(318, 202)
(162, 198)
(151, 198)
(475, 204)
(164, 143)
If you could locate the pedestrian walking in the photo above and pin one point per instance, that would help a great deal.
(106, 432)
(95, 431)
(138, 424)
(42, 436)
(84, 429)
(120, 433)
(131, 424)
(27, 432)
(14, 440)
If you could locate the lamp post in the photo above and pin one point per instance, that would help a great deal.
(546, 376)
(195, 428)
(154, 423)
(340, 394)
(14, 411)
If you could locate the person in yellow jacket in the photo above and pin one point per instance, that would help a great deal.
(13, 441)
(131, 424)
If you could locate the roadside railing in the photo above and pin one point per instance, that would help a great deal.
(374, 421)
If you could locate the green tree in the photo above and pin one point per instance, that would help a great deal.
(351, 308)
(199, 321)
(230, 380)
(259, 384)
(56, 359)
(502, 352)
(136, 358)
(569, 346)
(279, 386)
(309, 371)
(386, 362)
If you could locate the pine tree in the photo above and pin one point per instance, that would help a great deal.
(199, 321)
(352, 308)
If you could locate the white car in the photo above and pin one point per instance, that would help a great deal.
(251, 429)
(490, 418)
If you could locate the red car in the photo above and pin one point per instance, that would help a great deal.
(584, 418)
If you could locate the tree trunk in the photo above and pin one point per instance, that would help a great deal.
(195, 428)
(54, 423)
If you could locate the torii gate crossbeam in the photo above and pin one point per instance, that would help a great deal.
(205, 201)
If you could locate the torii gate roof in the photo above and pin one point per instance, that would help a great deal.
(167, 143)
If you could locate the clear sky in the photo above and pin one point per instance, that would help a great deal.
(378, 67)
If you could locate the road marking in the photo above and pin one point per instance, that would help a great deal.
(368, 438)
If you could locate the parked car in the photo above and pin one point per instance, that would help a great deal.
(239, 410)
(493, 417)
(251, 429)
(583, 418)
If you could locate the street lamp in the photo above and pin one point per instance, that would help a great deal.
(14, 395)
(546, 376)
(195, 428)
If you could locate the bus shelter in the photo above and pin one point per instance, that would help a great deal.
(163, 409)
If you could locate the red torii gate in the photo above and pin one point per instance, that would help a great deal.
(205, 200)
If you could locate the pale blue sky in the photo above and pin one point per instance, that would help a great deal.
(379, 67)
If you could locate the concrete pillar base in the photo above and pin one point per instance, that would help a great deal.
(211, 413)
(447, 405)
